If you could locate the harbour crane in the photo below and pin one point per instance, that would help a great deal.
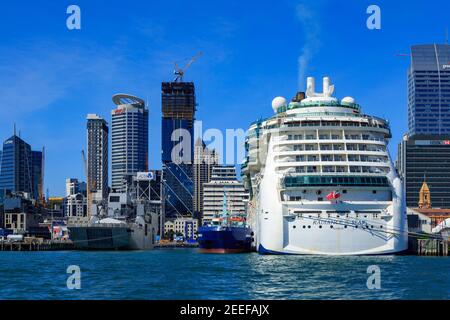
(179, 73)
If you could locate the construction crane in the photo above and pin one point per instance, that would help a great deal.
(179, 73)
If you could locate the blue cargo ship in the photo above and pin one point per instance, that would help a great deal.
(227, 233)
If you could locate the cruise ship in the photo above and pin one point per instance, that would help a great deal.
(321, 179)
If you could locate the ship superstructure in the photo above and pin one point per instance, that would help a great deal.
(321, 179)
(225, 233)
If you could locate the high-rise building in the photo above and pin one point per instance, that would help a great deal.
(223, 181)
(21, 169)
(429, 89)
(97, 157)
(204, 160)
(178, 116)
(129, 139)
(424, 153)
(37, 163)
(425, 157)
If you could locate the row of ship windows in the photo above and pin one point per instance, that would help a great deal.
(340, 124)
(345, 226)
(335, 147)
(318, 192)
(340, 169)
(331, 124)
(330, 158)
(335, 137)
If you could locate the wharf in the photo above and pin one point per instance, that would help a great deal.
(175, 245)
(429, 247)
(36, 246)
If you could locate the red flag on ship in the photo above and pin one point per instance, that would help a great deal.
(333, 195)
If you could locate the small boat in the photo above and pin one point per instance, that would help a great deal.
(227, 233)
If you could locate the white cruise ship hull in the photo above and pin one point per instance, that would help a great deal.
(342, 227)
(334, 234)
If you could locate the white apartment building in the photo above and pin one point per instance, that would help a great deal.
(223, 181)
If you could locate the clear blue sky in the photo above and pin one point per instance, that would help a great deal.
(50, 77)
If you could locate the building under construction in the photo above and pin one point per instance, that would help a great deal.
(178, 115)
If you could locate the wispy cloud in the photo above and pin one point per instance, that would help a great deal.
(311, 30)
(37, 76)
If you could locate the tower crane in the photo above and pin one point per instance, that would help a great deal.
(179, 73)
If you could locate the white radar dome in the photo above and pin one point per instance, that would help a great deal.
(348, 100)
(277, 103)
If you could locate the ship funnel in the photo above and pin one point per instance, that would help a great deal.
(326, 84)
(327, 88)
(310, 84)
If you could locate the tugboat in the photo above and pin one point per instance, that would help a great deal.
(226, 233)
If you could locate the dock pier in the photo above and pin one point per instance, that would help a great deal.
(429, 247)
(35, 246)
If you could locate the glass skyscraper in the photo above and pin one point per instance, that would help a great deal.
(21, 168)
(429, 89)
(129, 139)
(424, 153)
(178, 116)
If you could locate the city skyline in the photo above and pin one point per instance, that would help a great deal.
(72, 73)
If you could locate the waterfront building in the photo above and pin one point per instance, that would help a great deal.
(187, 227)
(129, 139)
(19, 212)
(21, 168)
(55, 207)
(204, 160)
(97, 157)
(76, 205)
(76, 199)
(178, 116)
(423, 218)
(223, 181)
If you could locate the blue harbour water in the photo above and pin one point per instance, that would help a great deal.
(186, 274)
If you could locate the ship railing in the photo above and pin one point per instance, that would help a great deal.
(106, 225)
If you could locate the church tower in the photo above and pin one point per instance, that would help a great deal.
(424, 197)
